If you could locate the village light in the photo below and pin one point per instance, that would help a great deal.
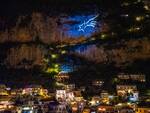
(139, 18)
(63, 51)
(101, 109)
(56, 65)
(54, 56)
(146, 7)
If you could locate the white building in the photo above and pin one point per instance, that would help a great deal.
(63, 95)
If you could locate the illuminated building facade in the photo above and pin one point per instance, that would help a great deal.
(134, 77)
(104, 97)
(95, 100)
(70, 87)
(126, 109)
(3, 90)
(122, 90)
(106, 109)
(142, 109)
(35, 90)
(63, 95)
(97, 83)
(62, 77)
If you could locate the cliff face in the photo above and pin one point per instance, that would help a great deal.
(120, 52)
(38, 28)
(24, 56)
(20, 44)
(126, 52)
(29, 28)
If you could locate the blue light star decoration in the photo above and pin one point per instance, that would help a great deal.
(83, 25)
(90, 23)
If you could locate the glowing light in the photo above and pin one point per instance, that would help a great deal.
(137, 28)
(48, 70)
(56, 65)
(74, 108)
(56, 70)
(66, 68)
(101, 109)
(103, 36)
(125, 15)
(60, 94)
(125, 4)
(80, 25)
(120, 104)
(46, 60)
(26, 108)
(51, 70)
(146, 7)
(139, 18)
(54, 56)
(134, 29)
(63, 52)
(90, 23)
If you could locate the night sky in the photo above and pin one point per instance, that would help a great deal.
(17, 7)
(14, 7)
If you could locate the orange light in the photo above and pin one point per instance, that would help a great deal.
(101, 109)
(74, 108)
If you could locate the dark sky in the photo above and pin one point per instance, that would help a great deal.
(14, 7)
(17, 7)
(10, 10)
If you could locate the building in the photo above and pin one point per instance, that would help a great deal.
(82, 88)
(15, 92)
(3, 90)
(134, 96)
(147, 4)
(62, 77)
(70, 87)
(55, 107)
(126, 109)
(70, 96)
(95, 100)
(106, 109)
(35, 90)
(63, 95)
(26, 109)
(6, 103)
(97, 83)
(122, 90)
(78, 95)
(133, 77)
(104, 97)
(143, 108)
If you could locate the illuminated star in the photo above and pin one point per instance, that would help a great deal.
(90, 23)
